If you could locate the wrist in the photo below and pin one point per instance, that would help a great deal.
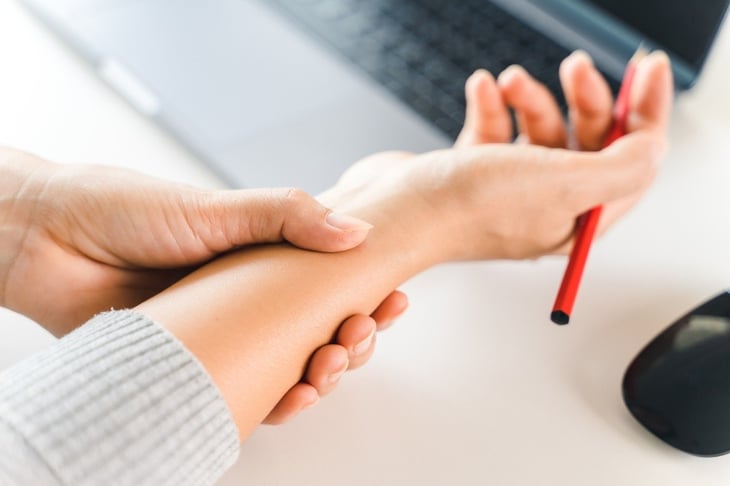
(406, 225)
(403, 236)
(22, 178)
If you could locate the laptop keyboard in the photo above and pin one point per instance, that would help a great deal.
(423, 50)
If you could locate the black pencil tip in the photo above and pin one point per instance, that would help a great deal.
(559, 317)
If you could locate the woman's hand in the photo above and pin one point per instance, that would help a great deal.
(76, 240)
(491, 200)
(487, 199)
(353, 346)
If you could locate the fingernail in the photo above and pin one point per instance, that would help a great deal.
(510, 72)
(581, 54)
(481, 72)
(661, 56)
(347, 223)
(475, 77)
(312, 403)
(335, 377)
(363, 345)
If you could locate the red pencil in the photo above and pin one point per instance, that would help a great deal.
(587, 223)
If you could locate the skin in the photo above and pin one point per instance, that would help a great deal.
(67, 234)
(253, 317)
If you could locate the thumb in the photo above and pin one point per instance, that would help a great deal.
(625, 168)
(229, 219)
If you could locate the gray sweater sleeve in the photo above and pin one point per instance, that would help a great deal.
(119, 401)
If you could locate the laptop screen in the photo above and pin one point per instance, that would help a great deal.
(683, 27)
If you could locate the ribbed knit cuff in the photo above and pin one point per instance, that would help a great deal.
(120, 401)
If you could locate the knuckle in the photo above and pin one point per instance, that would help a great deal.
(294, 194)
(294, 198)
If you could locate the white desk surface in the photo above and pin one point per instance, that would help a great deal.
(474, 385)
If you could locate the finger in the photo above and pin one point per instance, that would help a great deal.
(589, 100)
(628, 166)
(299, 397)
(650, 109)
(650, 101)
(326, 367)
(391, 308)
(538, 115)
(357, 336)
(487, 118)
(363, 358)
(227, 219)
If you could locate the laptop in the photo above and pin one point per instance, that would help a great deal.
(292, 92)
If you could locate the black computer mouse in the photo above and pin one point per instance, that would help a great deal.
(678, 386)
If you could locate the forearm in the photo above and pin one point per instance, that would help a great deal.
(254, 317)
